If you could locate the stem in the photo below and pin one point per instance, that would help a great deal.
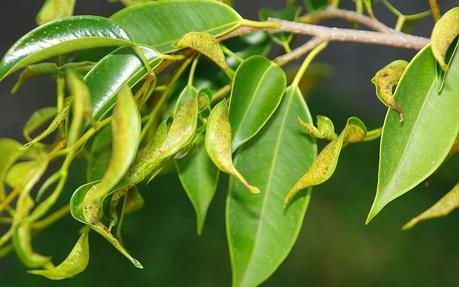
(193, 70)
(306, 63)
(435, 9)
(298, 52)
(220, 94)
(257, 24)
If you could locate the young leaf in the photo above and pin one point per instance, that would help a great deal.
(218, 143)
(22, 241)
(443, 207)
(126, 136)
(414, 149)
(205, 44)
(58, 120)
(74, 264)
(121, 67)
(199, 178)
(260, 231)
(443, 35)
(55, 9)
(100, 154)
(60, 37)
(37, 119)
(257, 90)
(324, 130)
(81, 105)
(10, 151)
(385, 80)
(90, 215)
(164, 22)
(324, 165)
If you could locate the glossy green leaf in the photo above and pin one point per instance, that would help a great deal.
(121, 67)
(75, 263)
(10, 151)
(218, 143)
(160, 24)
(443, 35)
(385, 80)
(260, 231)
(325, 164)
(37, 119)
(257, 90)
(199, 178)
(414, 149)
(81, 105)
(62, 36)
(91, 214)
(205, 44)
(126, 137)
(443, 207)
(289, 13)
(55, 9)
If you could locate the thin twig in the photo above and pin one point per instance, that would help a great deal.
(298, 52)
(435, 9)
(347, 15)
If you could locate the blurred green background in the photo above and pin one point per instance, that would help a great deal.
(334, 248)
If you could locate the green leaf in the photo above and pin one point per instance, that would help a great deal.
(60, 37)
(81, 104)
(325, 164)
(133, 2)
(100, 154)
(218, 143)
(411, 151)
(443, 207)
(10, 150)
(385, 80)
(75, 263)
(22, 241)
(205, 44)
(324, 130)
(55, 9)
(121, 67)
(289, 13)
(443, 35)
(199, 178)
(314, 5)
(58, 120)
(126, 137)
(160, 24)
(260, 231)
(257, 90)
(90, 215)
(37, 119)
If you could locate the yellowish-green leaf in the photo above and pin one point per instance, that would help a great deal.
(55, 9)
(58, 120)
(126, 136)
(218, 143)
(75, 263)
(37, 119)
(443, 207)
(205, 44)
(443, 35)
(324, 165)
(22, 240)
(385, 80)
(10, 151)
(324, 130)
(81, 105)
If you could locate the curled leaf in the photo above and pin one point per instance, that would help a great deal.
(324, 165)
(55, 9)
(81, 105)
(324, 130)
(443, 35)
(37, 119)
(205, 44)
(384, 81)
(10, 151)
(218, 143)
(22, 239)
(75, 263)
(54, 125)
(443, 207)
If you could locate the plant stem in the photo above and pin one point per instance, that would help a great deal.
(435, 9)
(306, 63)
(298, 52)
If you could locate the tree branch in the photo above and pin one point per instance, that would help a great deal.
(298, 52)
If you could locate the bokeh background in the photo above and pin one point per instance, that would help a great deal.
(334, 248)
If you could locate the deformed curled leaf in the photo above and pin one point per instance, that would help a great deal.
(75, 263)
(443, 207)
(55, 9)
(10, 151)
(58, 120)
(443, 34)
(37, 119)
(324, 130)
(324, 165)
(218, 143)
(81, 105)
(205, 44)
(385, 80)
(60, 37)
